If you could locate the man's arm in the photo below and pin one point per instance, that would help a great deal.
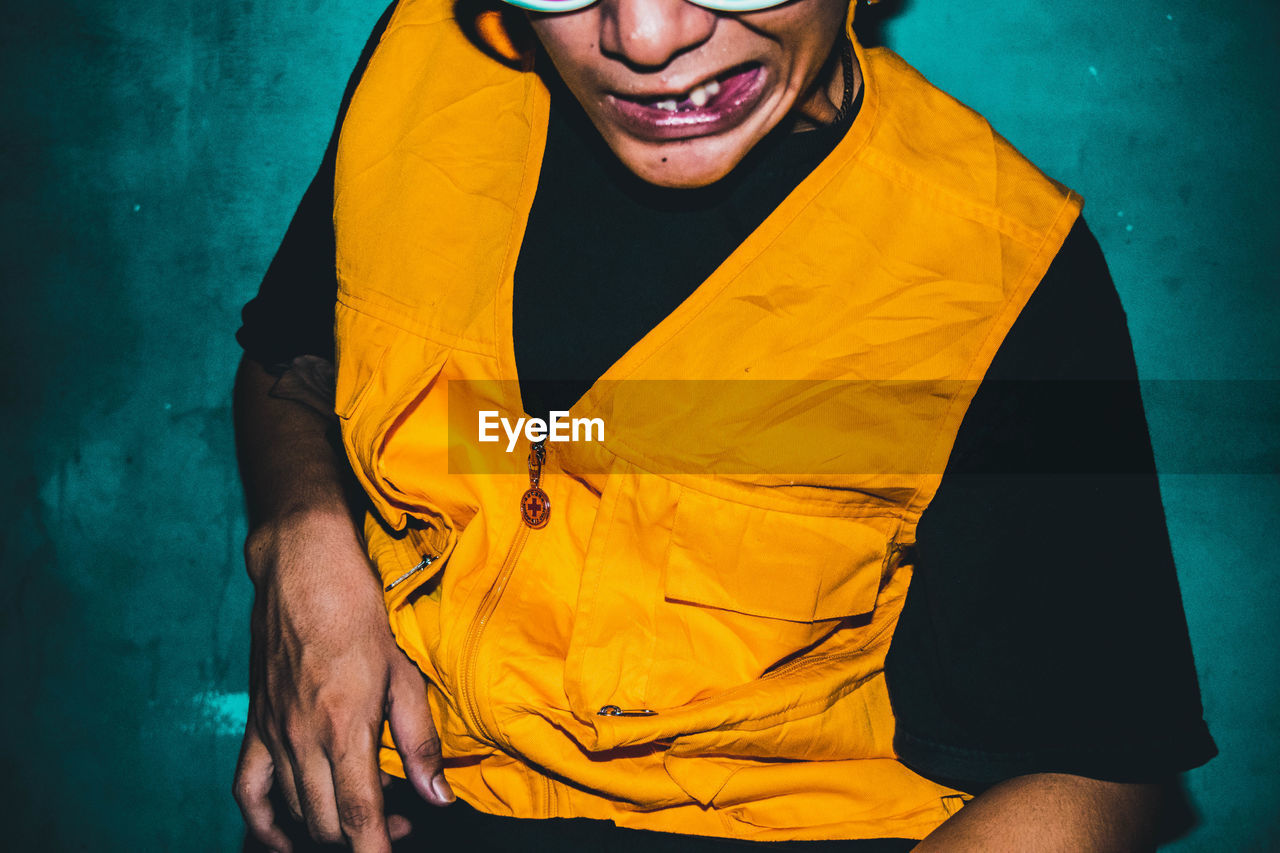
(1042, 646)
(325, 670)
(1053, 813)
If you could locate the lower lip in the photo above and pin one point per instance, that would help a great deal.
(737, 97)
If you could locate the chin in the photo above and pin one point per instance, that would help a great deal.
(680, 164)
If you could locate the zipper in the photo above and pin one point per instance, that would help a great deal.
(427, 560)
(471, 644)
(547, 795)
(615, 711)
(805, 662)
(535, 510)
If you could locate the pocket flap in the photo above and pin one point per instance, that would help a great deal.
(782, 565)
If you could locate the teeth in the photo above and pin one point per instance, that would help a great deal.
(704, 93)
(698, 97)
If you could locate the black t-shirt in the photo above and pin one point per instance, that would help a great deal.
(1043, 630)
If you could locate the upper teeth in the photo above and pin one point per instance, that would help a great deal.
(704, 93)
(699, 96)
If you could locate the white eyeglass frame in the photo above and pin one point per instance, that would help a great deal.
(554, 6)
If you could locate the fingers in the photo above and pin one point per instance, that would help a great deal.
(322, 662)
(251, 788)
(339, 800)
(398, 827)
(359, 798)
(319, 805)
(286, 785)
(414, 733)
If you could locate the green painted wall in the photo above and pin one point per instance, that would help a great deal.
(153, 152)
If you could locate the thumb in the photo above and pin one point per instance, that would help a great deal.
(415, 736)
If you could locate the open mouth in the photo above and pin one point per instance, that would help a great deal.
(706, 93)
(712, 106)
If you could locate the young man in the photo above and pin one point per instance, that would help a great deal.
(661, 190)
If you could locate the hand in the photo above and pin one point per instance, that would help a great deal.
(325, 672)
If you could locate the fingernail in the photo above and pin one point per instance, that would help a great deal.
(442, 789)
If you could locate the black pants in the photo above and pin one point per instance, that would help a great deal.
(462, 828)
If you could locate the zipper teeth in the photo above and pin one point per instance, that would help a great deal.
(471, 645)
(805, 662)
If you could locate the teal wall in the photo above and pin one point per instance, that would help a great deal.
(153, 154)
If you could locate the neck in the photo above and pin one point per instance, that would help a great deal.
(821, 105)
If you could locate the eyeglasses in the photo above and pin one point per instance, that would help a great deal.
(717, 5)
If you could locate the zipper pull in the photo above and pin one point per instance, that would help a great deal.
(535, 506)
(615, 711)
(427, 560)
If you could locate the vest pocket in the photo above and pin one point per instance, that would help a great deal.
(739, 595)
(749, 591)
(406, 561)
(780, 565)
(767, 644)
(388, 383)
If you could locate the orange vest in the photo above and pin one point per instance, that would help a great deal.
(695, 643)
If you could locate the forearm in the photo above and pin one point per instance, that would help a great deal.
(325, 671)
(289, 463)
(1051, 812)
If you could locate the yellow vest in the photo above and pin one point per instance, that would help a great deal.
(727, 567)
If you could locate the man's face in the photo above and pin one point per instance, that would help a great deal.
(682, 93)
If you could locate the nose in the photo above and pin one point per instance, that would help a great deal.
(647, 34)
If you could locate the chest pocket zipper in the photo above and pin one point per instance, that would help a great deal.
(427, 560)
(615, 711)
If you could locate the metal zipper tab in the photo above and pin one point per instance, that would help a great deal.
(427, 560)
(615, 711)
(535, 506)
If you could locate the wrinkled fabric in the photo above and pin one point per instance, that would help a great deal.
(732, 563)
